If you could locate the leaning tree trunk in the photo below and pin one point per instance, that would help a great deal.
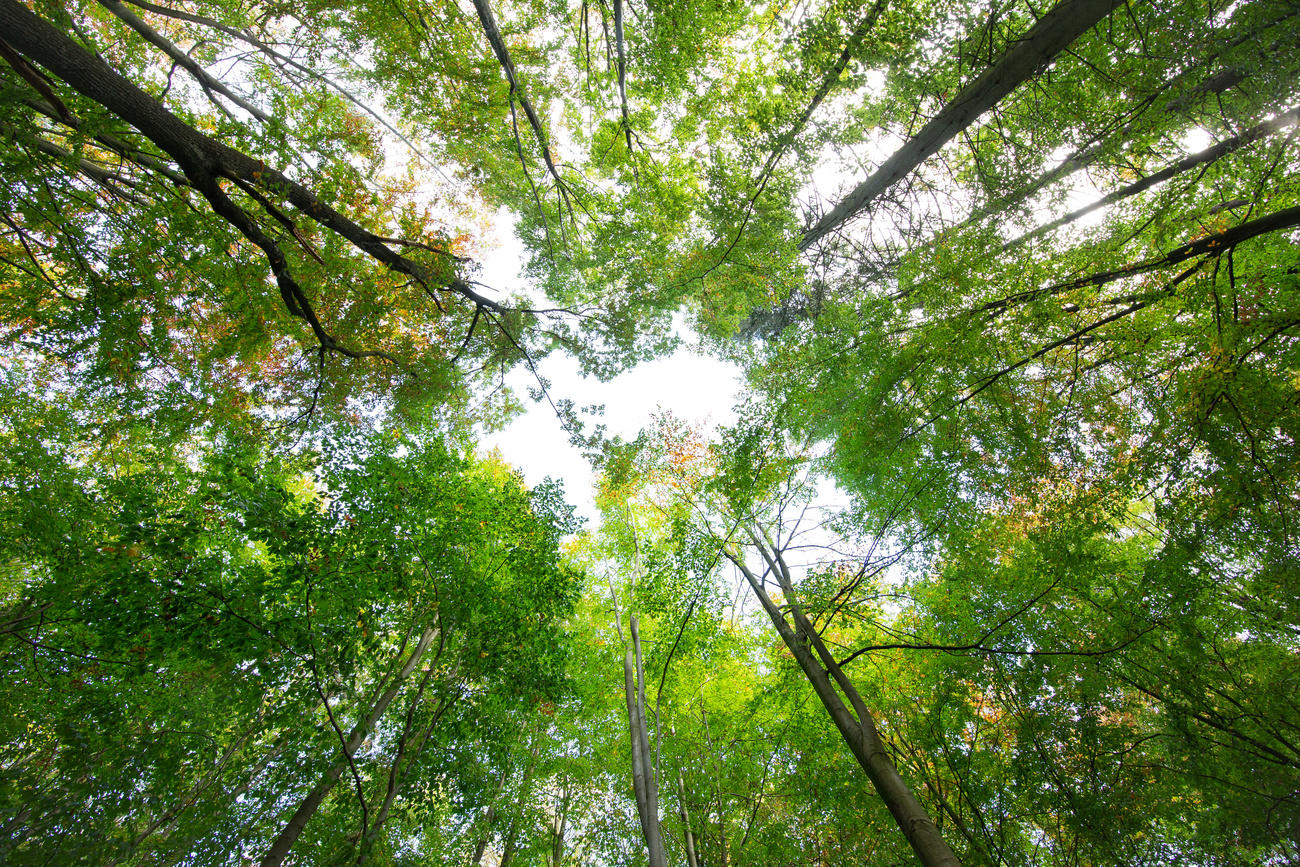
(204, 161)
(1204, 157)
(1066, 22)
(307, 808)
(856, 726)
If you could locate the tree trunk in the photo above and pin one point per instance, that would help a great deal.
(859, 733)
(558, 828)
(284, 841)
(512, 831)
(1066, 22)
(488, 818)
(644, 783)
(691, 859)
(1204, 157)
(203, 159)
(654, 840)
(396, 773)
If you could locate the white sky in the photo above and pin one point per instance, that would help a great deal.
(696, 388)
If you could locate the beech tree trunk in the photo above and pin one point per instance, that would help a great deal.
(644, 781)
(1066, 22)
(691, 859)
(280, 847)
(856, 726)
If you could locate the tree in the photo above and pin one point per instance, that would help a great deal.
(274, 650)
(1044, 352)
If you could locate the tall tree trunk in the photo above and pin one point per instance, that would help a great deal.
(397, 772)
(622, 73)
(644, 782)
(856, 726)
(654, 839)
(1066, 22)
(512, 830)
(1091, 151)
(1204, 157)
(691, 859)
(493, 34)
(558, 826)
(488, 819)
(280, 847)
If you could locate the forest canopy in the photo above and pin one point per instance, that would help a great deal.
(997, 563)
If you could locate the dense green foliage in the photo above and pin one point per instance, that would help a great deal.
(999, 563)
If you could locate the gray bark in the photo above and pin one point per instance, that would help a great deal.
(691, 859)
(654, 840)
(206, 81)
(644, 782)
(856, 726)
(203, 160)
(283, 842)
(1066, 22)
(493, 34)
(1204, 157)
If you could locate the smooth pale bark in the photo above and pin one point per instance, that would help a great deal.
(1065, 23)
(622, 72)
(857, 726)
(488, 819)
(644, 782)
(691, 859)
(638, 759)
(642, 767)
(280, 847)
(654, 839)
(512, 832)
(558, 829)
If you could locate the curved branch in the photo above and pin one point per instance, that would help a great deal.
(493, 33)
(203, 159)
